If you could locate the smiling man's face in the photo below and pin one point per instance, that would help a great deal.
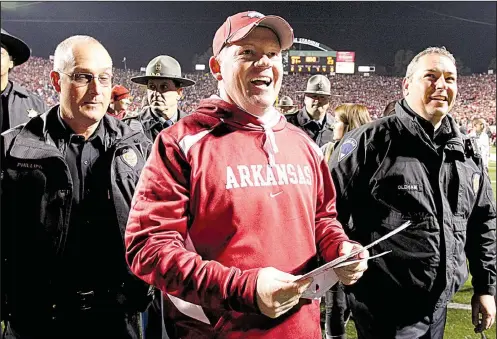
(431, 91)
(251, 71)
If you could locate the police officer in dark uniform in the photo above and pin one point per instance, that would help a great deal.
(18, 105)
(314, 118)
(69, 175)
(164, 89)
(416, 166)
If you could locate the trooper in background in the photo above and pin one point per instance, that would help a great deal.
(164, 89)
(313, 118)
(18, 105)
(286, 106)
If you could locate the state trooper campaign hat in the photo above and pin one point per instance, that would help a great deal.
(18, 49)
(285, 101)
(318, 84)
(163, 67)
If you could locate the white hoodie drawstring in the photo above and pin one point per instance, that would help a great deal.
(270, 145)
(268, 122)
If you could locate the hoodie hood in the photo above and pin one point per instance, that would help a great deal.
(235, 117)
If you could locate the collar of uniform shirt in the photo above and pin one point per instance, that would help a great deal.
(320, 122)
(67, 132)
(163, 120)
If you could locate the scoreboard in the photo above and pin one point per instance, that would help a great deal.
(311, 64)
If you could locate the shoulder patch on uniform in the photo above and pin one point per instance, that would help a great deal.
(129, 156)
(476, 182)
(346, 148)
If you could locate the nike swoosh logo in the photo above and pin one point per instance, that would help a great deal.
(272, 195)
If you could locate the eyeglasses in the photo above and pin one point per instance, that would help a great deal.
(83, 79)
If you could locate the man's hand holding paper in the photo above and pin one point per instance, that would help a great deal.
(349, 274)
(278, 292)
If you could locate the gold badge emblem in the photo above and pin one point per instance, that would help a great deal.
(129, 156)
(32, 113)
(476, 182)
(156, 72)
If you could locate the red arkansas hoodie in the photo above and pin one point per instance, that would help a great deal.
(224, 194)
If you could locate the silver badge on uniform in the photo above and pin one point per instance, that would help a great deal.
(476, 182)
(32, 113)
(129, 156)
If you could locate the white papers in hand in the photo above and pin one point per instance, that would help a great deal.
(324, 277)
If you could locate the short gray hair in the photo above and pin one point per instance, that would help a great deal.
(63, 56)
(430, 50)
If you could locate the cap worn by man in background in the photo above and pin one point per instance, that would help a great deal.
(120, 100)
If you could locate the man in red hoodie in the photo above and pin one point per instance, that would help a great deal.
(235, 203)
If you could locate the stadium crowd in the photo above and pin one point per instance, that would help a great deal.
(476, 97)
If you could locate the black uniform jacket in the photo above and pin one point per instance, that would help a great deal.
(320, 134)
(23, 105)
(388, 172)
(150, 123)
(35, 209)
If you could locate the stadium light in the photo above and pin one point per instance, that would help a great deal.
(365, 69)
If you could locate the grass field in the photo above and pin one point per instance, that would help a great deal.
(458, 324)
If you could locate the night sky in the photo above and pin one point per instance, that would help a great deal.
(374, 30)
